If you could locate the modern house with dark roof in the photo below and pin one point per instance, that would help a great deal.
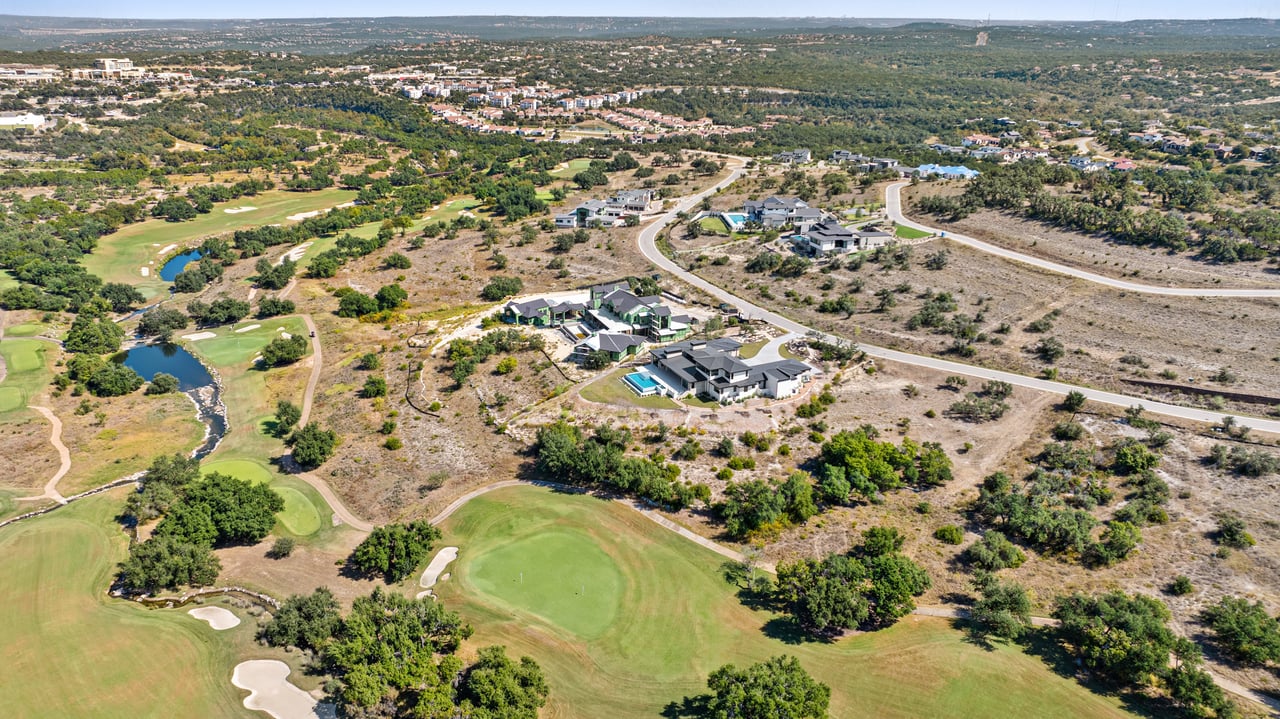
(798, 156)
(611, 212)
(777, 211)
(617, 345)
(831, 238)
(714, 369)
(541, 312)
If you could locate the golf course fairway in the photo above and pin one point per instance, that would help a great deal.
(637, 647)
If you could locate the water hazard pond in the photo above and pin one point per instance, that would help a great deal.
(176, 264)
(194, 380)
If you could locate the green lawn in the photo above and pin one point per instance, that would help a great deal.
(71, 651)
(27, 375)
(677, 619)
(121, 256)
(233, 348)
(612, 390)
(7, 280)
(908, 233)
(714, 225)
(573, 168)
(582, 594)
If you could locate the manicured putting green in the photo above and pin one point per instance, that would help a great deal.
(26, 330)
(561, 576)
(26, 372)
(299, 516)
(234, 348)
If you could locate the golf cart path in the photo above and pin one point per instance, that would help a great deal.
(340, 510)
(647, 241)
(893, 208)
(64, 458)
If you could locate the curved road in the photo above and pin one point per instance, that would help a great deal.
(893, 207)
(340, 509)
(648, 247)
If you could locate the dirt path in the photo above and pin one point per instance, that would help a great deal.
(64, 458)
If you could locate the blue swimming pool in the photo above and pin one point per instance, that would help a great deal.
(736, 218)
(642, 384)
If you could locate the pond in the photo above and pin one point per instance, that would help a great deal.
(177, 263)
(194, 380)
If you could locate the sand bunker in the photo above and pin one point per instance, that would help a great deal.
(286, 335)
(238, 210)
(146, 271)
(247, 328)
(217, 617)
(270, 691)
(304, 215)
(167, 249)
(295, 254)
(196, 336)
(434, 570)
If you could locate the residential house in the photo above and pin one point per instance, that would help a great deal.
(840, 156)
(775, 211)
(611, 212)
(25, 120)
(947, 172)
(617, 345)
(831, 238)
(798, 156)
(714, 369)
(541, 312)
(636, 202)
(1175, 145)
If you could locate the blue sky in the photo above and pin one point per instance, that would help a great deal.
(997, 9)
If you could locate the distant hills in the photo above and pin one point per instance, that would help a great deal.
(19, 32)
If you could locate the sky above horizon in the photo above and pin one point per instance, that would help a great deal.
(964, 9)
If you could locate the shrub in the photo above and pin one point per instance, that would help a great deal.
(393, 443)
(1232, 533)
(374, 387)
(162, 383)
(949, 534)
(281, 548)
(500, 288)
(1180, 586)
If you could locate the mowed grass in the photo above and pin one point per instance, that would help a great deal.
(573, 168)
(299, 516)
(678, 620)
(26, 375)
(559, 575)
(611, 389)
(71, 651)
(234, 348)
(121, 256)
(908, 233)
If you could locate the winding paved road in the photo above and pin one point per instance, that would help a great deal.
(648, 247)
(893, 207)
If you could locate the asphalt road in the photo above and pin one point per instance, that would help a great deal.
(893, 207)
(648, 247)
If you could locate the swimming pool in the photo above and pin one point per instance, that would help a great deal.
(641, 383)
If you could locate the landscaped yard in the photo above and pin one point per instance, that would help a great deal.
(610, 389)
(714, 225)
(625, 617)
(908, 233)
(72, 651)
(121, 255)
